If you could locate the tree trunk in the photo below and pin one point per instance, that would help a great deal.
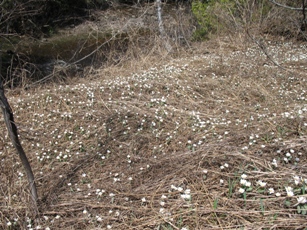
(161, 27)
(13, 134)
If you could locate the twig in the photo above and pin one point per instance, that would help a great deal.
(264, 50)
(287, 7)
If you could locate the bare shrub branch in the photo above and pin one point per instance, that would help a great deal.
(287, 7)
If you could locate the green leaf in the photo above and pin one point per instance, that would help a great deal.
(287, 203)
(262, 208)
(298, 208)
(302, 209)
(260, 190)
(244, 196)
(297, 191)
(215, 203)
(303, 189)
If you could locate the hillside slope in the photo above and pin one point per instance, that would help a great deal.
(209, 140)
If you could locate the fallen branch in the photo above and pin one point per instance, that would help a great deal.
(262, 46)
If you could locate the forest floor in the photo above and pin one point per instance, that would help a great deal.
(214, 138)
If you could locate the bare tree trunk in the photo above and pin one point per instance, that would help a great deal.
(303, 27)
(13, 133)
(161, 27)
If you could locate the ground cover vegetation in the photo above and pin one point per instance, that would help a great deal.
(209, 136)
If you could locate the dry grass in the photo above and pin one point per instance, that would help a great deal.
(165, 148)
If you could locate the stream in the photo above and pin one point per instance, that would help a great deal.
(93, 43)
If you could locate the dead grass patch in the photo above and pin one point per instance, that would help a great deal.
(165, 147)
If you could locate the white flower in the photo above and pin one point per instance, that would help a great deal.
(289, 191)
(243, 176)
(99, 192)
(226, 165)
(162, 203)
(297, 180)
(248, 184)
(261, 183)
(84, 211)
(288, 154)
(277, 194)
(221, 181)
(271, 190)
(243, 181)
(274, 162)
(241, 190)
(143, 200)
(301, 200)
(186, 196)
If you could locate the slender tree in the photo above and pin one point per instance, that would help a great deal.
(13, 134)
(161, 27)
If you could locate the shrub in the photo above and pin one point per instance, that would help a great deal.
(236, 15)
(37, 17)
(208, 14)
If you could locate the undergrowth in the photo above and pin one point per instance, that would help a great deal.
(213, 139)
